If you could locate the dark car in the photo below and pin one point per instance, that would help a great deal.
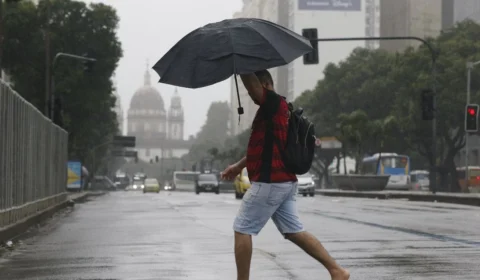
(122, 181)
(207, 182)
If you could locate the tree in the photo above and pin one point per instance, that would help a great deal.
(359, 83)
(456, 47)
(213, 133)
(87, 97)
(355, 133)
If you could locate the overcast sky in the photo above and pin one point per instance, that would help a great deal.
(148, 29)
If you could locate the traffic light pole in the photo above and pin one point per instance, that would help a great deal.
(52, 78)
(470, 66)
(434, 55)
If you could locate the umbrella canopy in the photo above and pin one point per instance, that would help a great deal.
(213, 53)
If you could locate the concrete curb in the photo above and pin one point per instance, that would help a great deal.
(11, 231)
(463, 199)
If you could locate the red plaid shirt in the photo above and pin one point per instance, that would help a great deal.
(264, 161)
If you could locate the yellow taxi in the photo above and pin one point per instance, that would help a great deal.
(151, 185)
(242, 184)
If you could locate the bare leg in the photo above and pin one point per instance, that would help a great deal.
(314, 248)
(243, 255)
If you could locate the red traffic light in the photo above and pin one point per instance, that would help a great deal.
(471, 118)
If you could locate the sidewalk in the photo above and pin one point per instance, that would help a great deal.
(472, 199)
(79, 196)
(10, 231)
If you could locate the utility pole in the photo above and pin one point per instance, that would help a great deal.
(470, 66)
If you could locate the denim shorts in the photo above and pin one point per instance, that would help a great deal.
(264, 201)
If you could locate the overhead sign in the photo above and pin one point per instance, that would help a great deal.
(330, 5)
(74, 175)
(124, 141)
(124, 153)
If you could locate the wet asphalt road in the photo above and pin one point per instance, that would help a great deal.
(129, 235)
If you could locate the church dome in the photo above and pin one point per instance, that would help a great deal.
(147, 97)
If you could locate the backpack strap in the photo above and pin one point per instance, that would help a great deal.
(270, 126)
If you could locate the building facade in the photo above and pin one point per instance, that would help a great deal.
(454, 11)
(332, 19)
(418, 18)
(372, 22)
(159, 133)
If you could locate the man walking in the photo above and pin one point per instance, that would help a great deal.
(273, 187)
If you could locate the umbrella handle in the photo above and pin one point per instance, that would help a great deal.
(240, 108)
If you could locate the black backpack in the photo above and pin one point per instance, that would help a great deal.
(299, 151)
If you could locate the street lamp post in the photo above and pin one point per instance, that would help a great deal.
(434, 55)
(52, 79)
(470, 66)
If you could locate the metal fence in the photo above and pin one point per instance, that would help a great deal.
(33, 158)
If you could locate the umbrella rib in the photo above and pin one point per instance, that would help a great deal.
(261, 35)
(233, 51)
(291, 32)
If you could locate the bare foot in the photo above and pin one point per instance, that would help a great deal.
(341, 274)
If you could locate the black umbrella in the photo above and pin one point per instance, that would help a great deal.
(213, 53)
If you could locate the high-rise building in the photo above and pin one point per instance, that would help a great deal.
(332, 18)
(454, 11)
(372, 22)
(422, 18)
(418, 18)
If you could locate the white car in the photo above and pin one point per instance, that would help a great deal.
(138, 185)
(306, 184)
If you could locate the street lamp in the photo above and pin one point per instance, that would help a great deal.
(470, 66)
(88, 65)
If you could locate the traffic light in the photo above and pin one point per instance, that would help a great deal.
(428, 105)
(471, 118)
(88, 66)
(312, 35)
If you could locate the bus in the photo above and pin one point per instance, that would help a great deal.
(397, 166)
(474, 178)
(184, 180)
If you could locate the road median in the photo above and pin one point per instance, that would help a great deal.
(10, 230)
(471, 199)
